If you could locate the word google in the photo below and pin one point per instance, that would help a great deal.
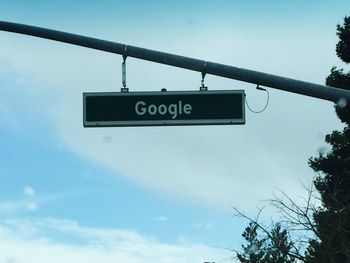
(141, 108)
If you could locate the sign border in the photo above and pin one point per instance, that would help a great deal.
(133, 123)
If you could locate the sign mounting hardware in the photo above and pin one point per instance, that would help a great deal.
(124, 88)
(204, 72)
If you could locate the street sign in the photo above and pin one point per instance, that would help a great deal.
(165, 108)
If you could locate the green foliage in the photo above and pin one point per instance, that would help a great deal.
(332, 221)
(274, 247)
(343, 46)
(279, 246)
(334, 184)
(338, 78)
(254, 251)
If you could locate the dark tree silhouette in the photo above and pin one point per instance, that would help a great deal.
(269, 247)
(326, 227)
(254, 251)
(332, 221)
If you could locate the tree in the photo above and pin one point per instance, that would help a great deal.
(315, 233)
(343, 46)
(273, 247)
(332, 221)
(254, 250)
(338, 78)
(279, 247)
(285, 241)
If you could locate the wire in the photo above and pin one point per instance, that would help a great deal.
(267, 101)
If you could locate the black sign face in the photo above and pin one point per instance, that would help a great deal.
(113, 109)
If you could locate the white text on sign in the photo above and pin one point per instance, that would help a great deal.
(141, 108)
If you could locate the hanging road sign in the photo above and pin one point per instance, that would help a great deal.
(166, 108)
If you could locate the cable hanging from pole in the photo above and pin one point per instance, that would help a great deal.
(267, 101)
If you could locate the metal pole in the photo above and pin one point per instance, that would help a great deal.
(259, 78)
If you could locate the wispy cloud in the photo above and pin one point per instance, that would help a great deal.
(19, 205)
(161, 219)
(29, 202)
(204, 226)
(6, 207)
(32, 206)
(28, 191)
(97, 245)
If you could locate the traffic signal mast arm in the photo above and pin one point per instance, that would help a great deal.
(259, 78)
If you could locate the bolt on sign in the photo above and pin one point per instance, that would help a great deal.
(165, 108)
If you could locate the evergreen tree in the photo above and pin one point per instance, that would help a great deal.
(254, 250)
(338, 78)
(279, 246)
(332, 221)
(273, 247)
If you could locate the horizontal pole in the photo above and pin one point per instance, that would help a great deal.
(231, 72)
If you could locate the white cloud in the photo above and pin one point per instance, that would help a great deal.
(28, 191)
(94, 245)
(7, 207)
(161, 219)
(204, 226)
(16, 206)
(31, 206)
(29, 202)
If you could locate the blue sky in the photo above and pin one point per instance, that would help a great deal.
(97, 194)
